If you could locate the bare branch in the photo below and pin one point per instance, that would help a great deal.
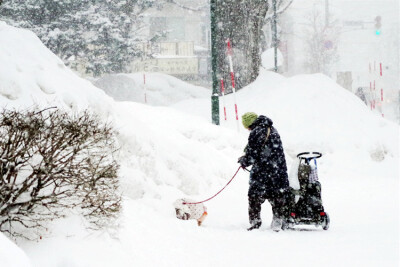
(201, 8)
(51, 162)
(281, 9)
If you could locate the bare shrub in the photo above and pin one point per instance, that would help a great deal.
(52, 162)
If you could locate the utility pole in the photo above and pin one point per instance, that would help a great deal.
(275, 37)
(326, 13)
(214, 55)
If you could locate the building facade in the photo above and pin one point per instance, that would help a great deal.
(179, 42)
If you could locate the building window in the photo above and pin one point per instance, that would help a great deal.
(176, 29)
(158, 26)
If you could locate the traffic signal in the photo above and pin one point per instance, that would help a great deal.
(378, 25)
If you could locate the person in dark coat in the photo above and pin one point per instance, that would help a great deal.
(268, 176)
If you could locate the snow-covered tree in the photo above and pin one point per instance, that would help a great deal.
(51, 163)
(99, 36)
(113, 34)
(242, 23)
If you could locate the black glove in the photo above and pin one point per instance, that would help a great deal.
(242, 162)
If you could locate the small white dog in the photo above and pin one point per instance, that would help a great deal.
(186, 211)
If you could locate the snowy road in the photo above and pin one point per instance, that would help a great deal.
(363, 232)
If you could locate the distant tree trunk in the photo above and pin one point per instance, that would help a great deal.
(241, 22)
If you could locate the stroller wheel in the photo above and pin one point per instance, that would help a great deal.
(325, 222)
(287, 224)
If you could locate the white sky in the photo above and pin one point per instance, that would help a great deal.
(358, 46)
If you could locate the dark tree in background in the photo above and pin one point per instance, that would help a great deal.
(52, 163)
(97, 35)
(241, 22)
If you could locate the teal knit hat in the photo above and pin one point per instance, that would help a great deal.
(248, 118)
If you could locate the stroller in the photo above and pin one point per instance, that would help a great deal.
(305, 204)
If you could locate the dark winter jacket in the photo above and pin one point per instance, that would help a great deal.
(269, 171)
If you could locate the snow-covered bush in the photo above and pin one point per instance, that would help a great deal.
(52, 162)
(93, 37)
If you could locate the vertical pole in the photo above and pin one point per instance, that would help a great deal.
(233, 81)
(214, 54)
(275, 37)
(374, 95)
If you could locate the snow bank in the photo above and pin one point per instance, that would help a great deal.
(30, 73)
(312, 113)
(168, 150)
(11, 255)
(160, 89)
(268, 59)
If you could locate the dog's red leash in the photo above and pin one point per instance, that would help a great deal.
(184, 203)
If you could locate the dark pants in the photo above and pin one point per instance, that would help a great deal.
(278, 199)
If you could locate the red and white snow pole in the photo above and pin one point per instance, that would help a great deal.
(374, 95)
(233, 81)
(144, 87)
(223, 96)
(374, 75)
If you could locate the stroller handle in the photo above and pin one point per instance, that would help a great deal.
(309, 155)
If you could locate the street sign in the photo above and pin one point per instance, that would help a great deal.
(328, 44)
(354, 23)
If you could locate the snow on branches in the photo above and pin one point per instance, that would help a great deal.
(52, 162)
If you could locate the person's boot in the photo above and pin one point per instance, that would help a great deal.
(254, 225)
(276, 224)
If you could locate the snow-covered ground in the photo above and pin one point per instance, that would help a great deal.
(173, 151)
(11, 255)
(145, 88)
